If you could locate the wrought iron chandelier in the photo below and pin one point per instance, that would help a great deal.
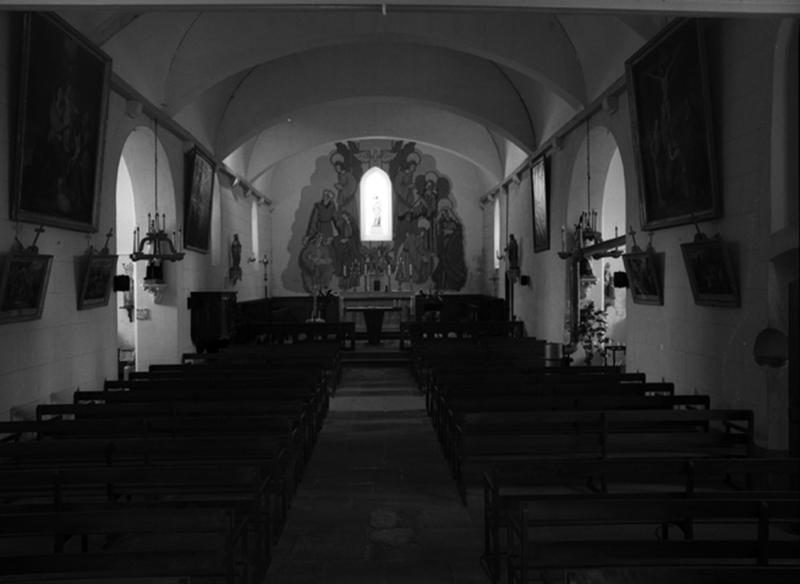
(156, 246)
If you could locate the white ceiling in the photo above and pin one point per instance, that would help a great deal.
(485, 82)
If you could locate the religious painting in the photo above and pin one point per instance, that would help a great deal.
(97, 276)
(63, 102)
(403, 233)
(644, 277)
(673, 128)
(709, 265)
(197, 201)
(541, 211)
(23, 286)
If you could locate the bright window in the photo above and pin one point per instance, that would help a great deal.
(375, 206)
(496, 234)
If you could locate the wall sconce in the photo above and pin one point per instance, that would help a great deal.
(771, 348)
(154, 280)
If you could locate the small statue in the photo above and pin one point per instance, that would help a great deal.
(236, 251)
(512, 253)
(235, 271)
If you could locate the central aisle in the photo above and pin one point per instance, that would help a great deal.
(377, 503)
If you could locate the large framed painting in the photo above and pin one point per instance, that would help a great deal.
(97, 275)
(541, 205)
(712, 274)
(63, 102)
(644, 277)
(23, 286)
(673, 128)
(197, 202)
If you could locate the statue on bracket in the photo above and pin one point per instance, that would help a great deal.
(235, 271)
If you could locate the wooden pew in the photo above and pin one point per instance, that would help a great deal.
(201, 540)
(574, 533)
(482, 441)
(269, 455)
(459, 409)
(249, 486)
(507, 486)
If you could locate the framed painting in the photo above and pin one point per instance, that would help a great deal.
(673, 128)
(197, 202)
(644, 277)
(709, 265)
(541, 205)
(96, 280)
(23, 286)
(60, 134)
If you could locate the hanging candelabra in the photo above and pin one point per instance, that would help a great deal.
(156, 246)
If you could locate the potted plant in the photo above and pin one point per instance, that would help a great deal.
(592, 329)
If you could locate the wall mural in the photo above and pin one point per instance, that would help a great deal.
(427, 249)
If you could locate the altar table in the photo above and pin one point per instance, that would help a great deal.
(373, 318)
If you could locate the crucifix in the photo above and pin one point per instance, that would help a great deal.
(33, 249)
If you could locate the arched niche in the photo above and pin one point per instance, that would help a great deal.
(155, 322)
(598, 189)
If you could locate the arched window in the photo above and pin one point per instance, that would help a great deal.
(496, 235)
(375, 206)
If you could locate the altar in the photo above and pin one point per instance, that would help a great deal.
(391, 308)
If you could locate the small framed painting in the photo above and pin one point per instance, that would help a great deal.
(709, 265)
(541, 205)
(644, 277)
(197, 203)
(96, 281)
(23, 286)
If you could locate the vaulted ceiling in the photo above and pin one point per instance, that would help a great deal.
(261, 81)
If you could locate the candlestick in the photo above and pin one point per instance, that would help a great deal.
(563, 238)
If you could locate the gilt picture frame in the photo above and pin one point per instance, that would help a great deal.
(61, 122)
(23, 286)
(672, 123)
(200, 172)
(541, 205)
(712, 273)
(97, 276)
(644, 277)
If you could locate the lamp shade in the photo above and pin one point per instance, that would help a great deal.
(771, 348)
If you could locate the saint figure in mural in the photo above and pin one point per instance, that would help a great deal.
(321, 221)
(422, 259)
(346, 245)
(451, 271)
(316, 263)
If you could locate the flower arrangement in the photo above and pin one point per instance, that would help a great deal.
(592, 328)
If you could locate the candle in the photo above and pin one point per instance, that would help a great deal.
(563, 238)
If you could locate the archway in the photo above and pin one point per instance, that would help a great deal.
(598, 194)
(155, 320)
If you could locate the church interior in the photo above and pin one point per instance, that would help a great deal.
(392, 292)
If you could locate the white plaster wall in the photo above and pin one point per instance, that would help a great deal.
(701, 349)
(49, 358)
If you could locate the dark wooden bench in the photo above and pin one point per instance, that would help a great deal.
(459, 409)
(268, 455)
(486, 439)
(507, 486)
(577, 532)
(130, 541)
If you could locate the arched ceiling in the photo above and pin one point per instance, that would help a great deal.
(489, 81)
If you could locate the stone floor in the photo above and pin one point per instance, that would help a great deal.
(377, 503)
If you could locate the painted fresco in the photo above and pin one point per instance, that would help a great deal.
(427, 250)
